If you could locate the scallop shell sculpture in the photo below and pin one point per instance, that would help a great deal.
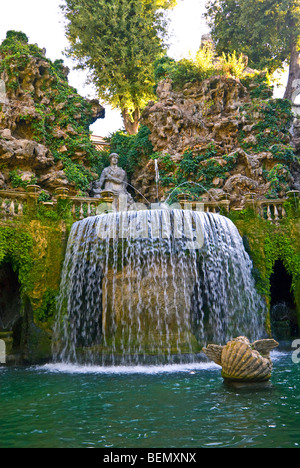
(242, 361)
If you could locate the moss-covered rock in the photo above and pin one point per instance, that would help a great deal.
(222, 135)
(44, 122)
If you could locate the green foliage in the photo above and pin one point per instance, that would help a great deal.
(266, 31)
(278, 114)
(248, 25)
(277, 177)
(16, 248)
(203, 66)
(271, 135)
(131, 148)
(78, 174)
(16, 43)
(118, 42)
(259, 85)
(17, 181)
(16, 46)
(194, 174)
(187, 70)
(232, 65)
(47, 216)
(163, 68)
(280, 246)
(15, 36)
(44, 197)
(47, 311)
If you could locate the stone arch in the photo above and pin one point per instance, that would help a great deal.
(284, 319)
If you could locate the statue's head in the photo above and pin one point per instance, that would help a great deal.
(114, 158)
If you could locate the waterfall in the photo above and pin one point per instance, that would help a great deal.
(157, 177)
(155, 286)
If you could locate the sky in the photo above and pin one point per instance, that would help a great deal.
(42, 21)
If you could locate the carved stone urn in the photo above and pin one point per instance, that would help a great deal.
(242, 361)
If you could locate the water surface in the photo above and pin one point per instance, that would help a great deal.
(162, 407)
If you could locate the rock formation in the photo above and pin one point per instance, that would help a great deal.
(44, 123)
(228, 135)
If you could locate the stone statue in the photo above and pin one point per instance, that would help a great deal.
(113, 179)
(242, 361)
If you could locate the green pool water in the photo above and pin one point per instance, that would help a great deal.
(171, 407)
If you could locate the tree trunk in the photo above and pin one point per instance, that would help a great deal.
(131, 123)
(293, 86)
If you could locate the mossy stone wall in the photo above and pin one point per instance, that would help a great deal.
(35, 249)
(267, 243)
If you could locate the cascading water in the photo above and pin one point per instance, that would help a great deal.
(154, 286)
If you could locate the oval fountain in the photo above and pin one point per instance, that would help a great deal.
(154, 286)
(143, 286)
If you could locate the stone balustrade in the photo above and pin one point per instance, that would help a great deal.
(84, 207)
(13, 204)
(272, 210)
(207, 206)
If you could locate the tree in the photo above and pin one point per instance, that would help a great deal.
(267, 31)
(118, 41)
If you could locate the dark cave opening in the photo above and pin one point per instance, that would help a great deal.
(284, 321)
(10, 304)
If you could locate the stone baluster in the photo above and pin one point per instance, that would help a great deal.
(261, 210)
(276, 213)
(269, 212)
(3, 207)
(89, 211)
(81, 214)
(93, 209)
(272, 211)
(74, 210)
(20, 208)
(11, 209)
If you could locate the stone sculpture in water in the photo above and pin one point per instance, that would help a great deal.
(242, 361)
(113, 179)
